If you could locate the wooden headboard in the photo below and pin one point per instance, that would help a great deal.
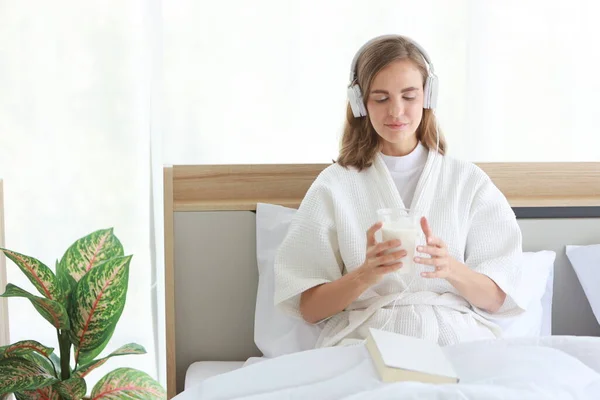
(569, 190)
(4, 331)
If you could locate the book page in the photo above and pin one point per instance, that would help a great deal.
(405, 352)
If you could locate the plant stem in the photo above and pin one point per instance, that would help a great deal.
(65, 355)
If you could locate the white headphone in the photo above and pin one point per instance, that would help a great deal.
(355, 97)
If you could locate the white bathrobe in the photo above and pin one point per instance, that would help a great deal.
(327, 238)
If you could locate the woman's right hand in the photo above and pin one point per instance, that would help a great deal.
(327, 299)
(377, 263)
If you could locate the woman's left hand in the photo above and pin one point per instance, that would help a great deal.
(445, 265)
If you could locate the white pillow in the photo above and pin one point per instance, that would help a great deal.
(536, 291)
(586, 263)
(276, 333)
(547, 304)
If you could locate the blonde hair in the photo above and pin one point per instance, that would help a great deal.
(360, 142)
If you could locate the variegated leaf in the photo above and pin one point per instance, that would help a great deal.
(55, 360)
(67, 283)
(96, 307)
(71, 389)
(45, 393)
(43, 362)
(24, 347)
(128, 383)
(40, 275)
(18, 374)
(85, 357)
(128, 349)
(51, 310)
(32, 351)
(88, 252)
(51, 366)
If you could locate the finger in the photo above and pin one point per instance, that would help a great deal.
(379, 248)
(436, 241)
(431, 250)
(435, 274)
(386, 269)
(426, 228)
(389, 258)
(371, 233)
(390, 244)
(437, 262)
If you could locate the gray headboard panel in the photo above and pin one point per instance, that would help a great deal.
(571, 311)
(216, 279)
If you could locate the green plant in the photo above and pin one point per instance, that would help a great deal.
(84, 301)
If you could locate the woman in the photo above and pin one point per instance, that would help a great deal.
(329, 271)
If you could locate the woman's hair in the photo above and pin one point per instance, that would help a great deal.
(360, 142)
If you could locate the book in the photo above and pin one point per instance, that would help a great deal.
(405, 358)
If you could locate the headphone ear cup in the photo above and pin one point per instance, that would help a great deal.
(430, 92)
(427, 93)
(356, 101)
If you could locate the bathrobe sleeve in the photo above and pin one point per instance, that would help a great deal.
(494, 246)
(309, 254)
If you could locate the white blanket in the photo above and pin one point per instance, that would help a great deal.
(509, 369)
(464, 208)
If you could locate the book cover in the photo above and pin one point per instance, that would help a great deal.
(405, 358)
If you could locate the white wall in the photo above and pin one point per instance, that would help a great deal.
(532, 81)
(264, 82)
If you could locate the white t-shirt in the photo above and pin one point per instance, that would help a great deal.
(406, 171)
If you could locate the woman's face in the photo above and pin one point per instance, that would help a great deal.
(395, 106)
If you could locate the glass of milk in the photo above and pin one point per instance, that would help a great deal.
(399, 224)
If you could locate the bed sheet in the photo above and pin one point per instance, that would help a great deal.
(201, 370)
(554, 367)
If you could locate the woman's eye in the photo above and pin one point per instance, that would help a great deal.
(381, 100)
(409, 98)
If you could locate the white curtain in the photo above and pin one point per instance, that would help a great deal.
(96, 96)
(75, 149)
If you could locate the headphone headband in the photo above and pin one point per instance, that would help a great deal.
(364, 46)
(355, 96)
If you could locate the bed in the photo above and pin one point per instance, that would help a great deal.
(212, 277)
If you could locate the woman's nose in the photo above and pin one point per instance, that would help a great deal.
(395, 109)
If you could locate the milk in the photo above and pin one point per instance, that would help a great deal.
(408, 240)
